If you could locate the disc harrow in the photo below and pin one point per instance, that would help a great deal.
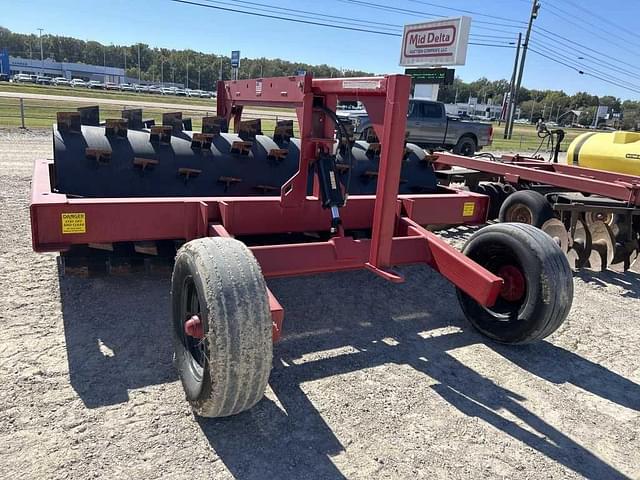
(593, 215)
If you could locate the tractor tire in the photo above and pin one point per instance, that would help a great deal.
(538, 290)
(466, 146)
(226, 371)
(526, 206)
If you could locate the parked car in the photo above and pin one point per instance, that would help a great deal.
(125, 87)
(95, 84)
(180, 92)
(155, 89)
(22, 78)
(4, 77)
(168, 90)
(42, 80)
(60, 81)
(429, 126)
(111, 86)
(77, 82)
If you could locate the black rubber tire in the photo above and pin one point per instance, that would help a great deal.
(548, 283)
(538, 208)
(234, 307)
(466, 146)
(495, 200)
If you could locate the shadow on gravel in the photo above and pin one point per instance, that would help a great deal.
(358, 310)
(117, 335)
(628, 280)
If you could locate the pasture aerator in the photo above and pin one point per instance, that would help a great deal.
(243, 207)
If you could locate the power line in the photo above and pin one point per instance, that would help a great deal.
(586, 55)
(583, 67)
(340, 19)
(416, 13)
(602, 19)
(606, 55)
(577, 61)
(316, 23)
(567, 18)
(580, 71)
(470, 12)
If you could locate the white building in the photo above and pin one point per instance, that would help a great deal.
(51, 68)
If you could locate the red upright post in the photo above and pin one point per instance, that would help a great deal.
(391, 153)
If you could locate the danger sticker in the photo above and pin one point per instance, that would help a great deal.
(468, 208)
(74, 223)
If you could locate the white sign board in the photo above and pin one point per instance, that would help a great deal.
(437, 43)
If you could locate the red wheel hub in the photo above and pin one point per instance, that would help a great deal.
(514, 286)
(194, 328)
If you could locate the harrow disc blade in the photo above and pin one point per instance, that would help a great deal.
(603, 242)
(580, 250)
(626, 254)
(556, 230)
(607, 218)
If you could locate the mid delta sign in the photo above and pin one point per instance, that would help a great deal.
(438, 43)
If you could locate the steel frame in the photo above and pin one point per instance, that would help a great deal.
(515, 169)
(396, 221)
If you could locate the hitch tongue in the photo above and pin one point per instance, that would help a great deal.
(330, 192)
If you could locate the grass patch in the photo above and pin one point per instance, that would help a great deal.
(525, 138)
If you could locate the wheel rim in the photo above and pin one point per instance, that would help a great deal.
(520, 213)
(514, 286)
(467, 149)
(501, 261)
(194, 348)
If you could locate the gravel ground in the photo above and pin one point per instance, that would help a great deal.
(371, 380)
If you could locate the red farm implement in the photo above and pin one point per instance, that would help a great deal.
(345, 205)
(593, 215)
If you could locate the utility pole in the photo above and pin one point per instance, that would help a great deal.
(199, 71)
(125, 61)
(104, 64)
(162, 72)
(508, 125)
(187, 86)
(535, 7)
(41, 52)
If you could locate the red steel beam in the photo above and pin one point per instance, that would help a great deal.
(391, 135)
(606, 184)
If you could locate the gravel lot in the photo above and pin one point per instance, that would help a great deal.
(371, 380)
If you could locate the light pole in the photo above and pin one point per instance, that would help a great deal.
(41, 52)
(199, 71)
(162, 72)
(187, 86)
(138, 63)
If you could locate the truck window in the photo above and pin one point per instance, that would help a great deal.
(432, 110)
(412, 110)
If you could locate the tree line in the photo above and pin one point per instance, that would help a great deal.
(551, 105)
(203, 70)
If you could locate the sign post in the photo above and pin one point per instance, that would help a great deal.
(235, 63)
(434, 44)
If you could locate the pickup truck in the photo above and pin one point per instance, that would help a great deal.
(429, 126)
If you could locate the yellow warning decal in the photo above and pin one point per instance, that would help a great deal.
(74, 223)
(468, 208)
